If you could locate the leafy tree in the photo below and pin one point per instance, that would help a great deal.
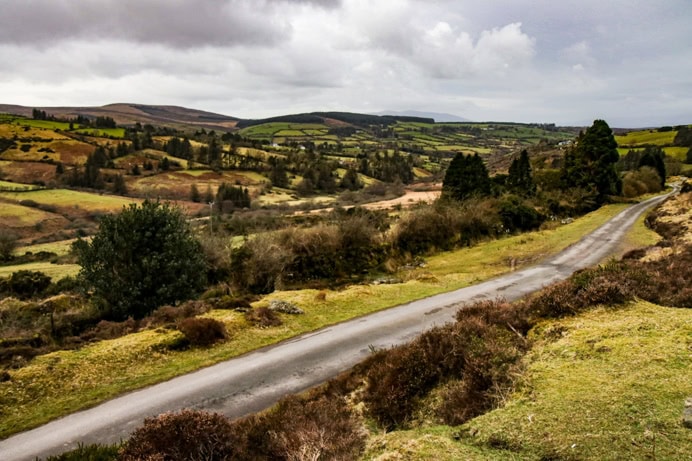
(466, 177)
(688, 157)
(520, 179)
(590, 164)
(142, 258)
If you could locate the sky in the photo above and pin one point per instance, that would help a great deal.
(565, 62)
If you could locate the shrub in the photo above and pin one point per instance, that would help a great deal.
(478, 219)
(26, 284)
(108, 330)
(517, 216)
(426, 228)
(202, 331)
(300, 428)
(142, 258)
(188, 435)
(480, 349)
(8, 242)
(263, 317)
(314, 252)
(169, 314)
(258, 266)
(643, 181)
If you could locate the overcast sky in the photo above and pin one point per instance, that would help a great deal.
(567, 62)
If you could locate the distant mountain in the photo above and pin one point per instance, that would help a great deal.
(129, 114)
(437, 116)
(335, 119)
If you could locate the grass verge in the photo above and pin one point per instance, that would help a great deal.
(604, 385)
(62, 382)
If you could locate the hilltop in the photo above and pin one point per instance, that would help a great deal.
(130, 114)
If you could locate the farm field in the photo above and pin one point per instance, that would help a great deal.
(644, 137)
(54, 271)
(66, 199)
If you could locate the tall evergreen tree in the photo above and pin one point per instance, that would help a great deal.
(520, 180)
(590, 164)
(466, 176)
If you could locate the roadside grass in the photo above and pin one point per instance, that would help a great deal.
(69, 198)
(611, 386)
(62, 382)
(54, 271)
(608, 384)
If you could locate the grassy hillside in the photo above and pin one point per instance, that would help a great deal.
(64, 381)
(604, 385)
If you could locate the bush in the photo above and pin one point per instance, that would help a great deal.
(426, 228)
(142, 258)
(166, 315)
(314, 253)
(263, 317)
(8, 242)
(517, 216)
(26, 284)
(300, 428)
(480, 349)
(643, 181)
(188, 435)
(258, 266)
(202, 331)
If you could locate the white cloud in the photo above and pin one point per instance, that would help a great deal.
(504, 60)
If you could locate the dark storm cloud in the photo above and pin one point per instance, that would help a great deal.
(174, 23)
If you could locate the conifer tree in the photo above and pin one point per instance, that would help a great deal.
(590, 164)
(466, 176)
(520, 180)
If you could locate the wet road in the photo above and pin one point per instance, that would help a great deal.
(258, 379)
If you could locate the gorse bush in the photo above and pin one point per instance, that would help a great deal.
(478, 350)
(187, 435)
(202, 331)
(25, 284)
(301, 428)
(263, 317)
(643, 181)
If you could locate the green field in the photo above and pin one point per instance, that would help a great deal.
(644, 137)
(69, 198)
(102, 132)
(60, 248)
(19, 216)
(54, 271)
(15, 186)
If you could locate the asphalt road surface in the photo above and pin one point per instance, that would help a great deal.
(258, 379)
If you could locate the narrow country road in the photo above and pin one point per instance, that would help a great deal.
(258, 379)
